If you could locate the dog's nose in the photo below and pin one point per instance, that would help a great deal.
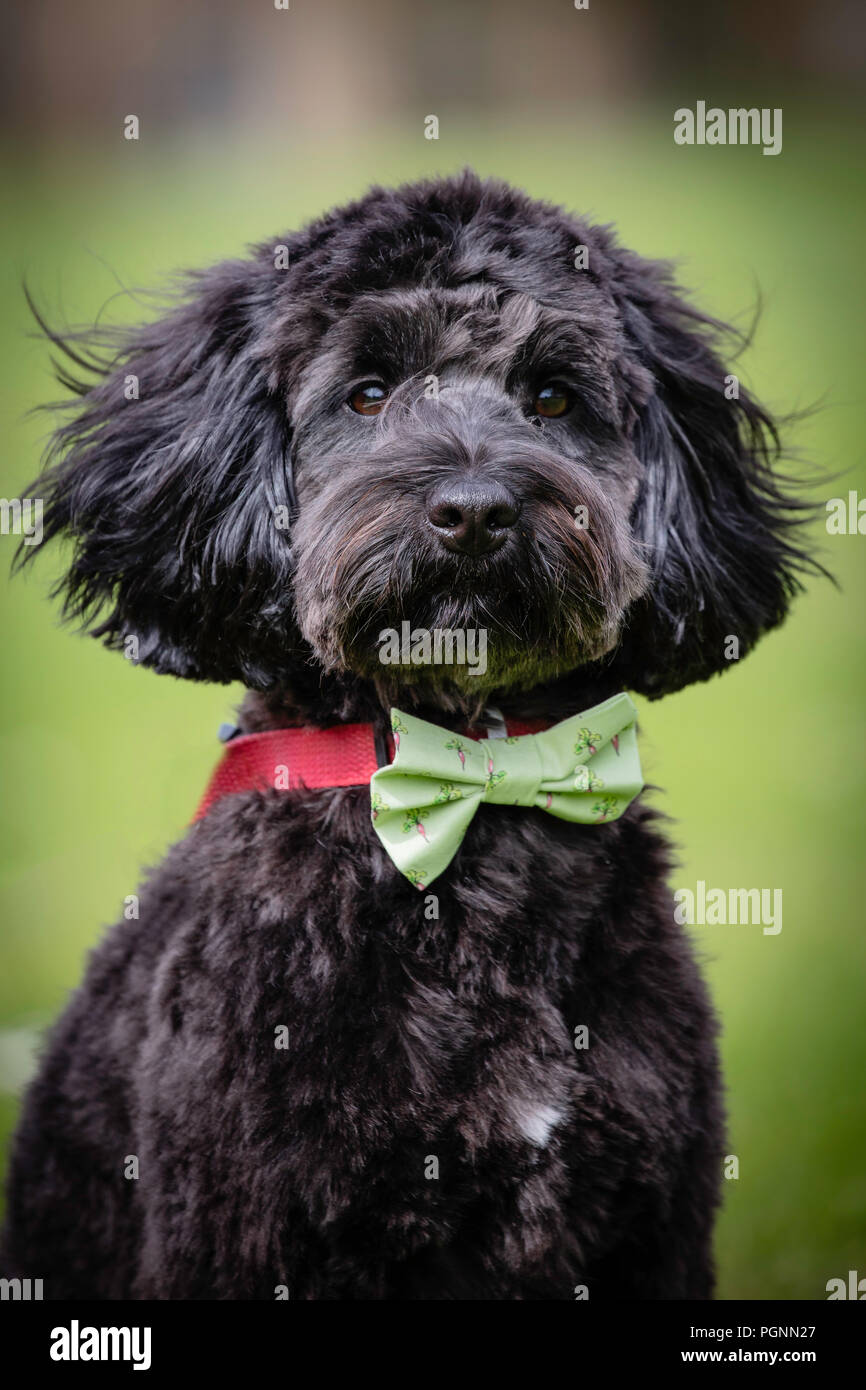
(473, 518)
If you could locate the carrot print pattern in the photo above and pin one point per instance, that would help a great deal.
(493, 778)
(586, 781)
(586, 740)
(413, 821)
(459, 747)
(447, 792)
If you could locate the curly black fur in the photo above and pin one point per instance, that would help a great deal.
(410, 1036)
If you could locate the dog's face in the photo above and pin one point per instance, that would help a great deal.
(461, 463)
(455, 409)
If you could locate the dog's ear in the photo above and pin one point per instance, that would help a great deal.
(719, 524)
(172, 481)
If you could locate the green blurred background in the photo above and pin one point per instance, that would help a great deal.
(253, 120)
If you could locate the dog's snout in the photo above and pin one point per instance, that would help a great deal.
(473, 518)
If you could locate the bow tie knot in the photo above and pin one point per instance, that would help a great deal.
(512, 770)
(584, 769)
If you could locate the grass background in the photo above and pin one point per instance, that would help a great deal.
(762, 770)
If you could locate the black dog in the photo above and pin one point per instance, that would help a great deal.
(431, 394)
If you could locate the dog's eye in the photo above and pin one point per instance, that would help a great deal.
(368, 399)
(553, 399)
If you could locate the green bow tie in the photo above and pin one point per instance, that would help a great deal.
(585, 769)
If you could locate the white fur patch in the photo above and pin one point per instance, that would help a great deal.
(537, 1122)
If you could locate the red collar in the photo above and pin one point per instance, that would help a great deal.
(342, 756)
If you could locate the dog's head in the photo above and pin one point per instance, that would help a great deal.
(447, 405)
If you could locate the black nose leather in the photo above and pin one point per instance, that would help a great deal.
(472, 518)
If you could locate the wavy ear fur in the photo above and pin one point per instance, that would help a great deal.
(170, 499)
(719, 523)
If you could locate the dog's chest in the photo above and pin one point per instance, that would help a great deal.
(431, 1081)
(459, 1082)
(486, 1060)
